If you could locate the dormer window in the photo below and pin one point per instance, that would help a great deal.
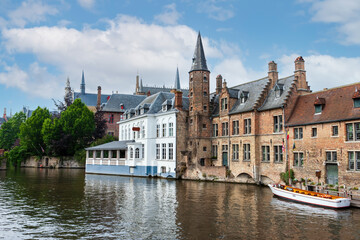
(164, 108)
(356, 102)
(244, 97)
(279, 90)
(224, 104)
(319, 105)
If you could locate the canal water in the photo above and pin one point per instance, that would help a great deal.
(69, 204)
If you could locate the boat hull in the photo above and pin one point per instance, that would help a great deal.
(338, 202)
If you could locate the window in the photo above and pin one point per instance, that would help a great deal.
(224, 103)
(142, 150)
(191, 121)
(278, 154)
(318, 109)
(225, 129)
(111, 118)
(137, 153)
(353, 132)
(298, 133)
(246, 153)
(113, 154)
(225, 148)
(205, 94)
(131, 153)
(164, 151)
(265, 153)
(163, 169)
(298, 159)
(164, 108)
(171, 151)
(164, 130)
(105, 154)
(314, 132)
(215, 130)
(214, 151)
(235, 127)
(278, 124)
(202, 162)
(204, 149)
(247, 126)
(98, 154)
(205, 108)
(157, 130)
(356, 102)
(331, 156)
(171, 129)
(157, 151)
(122, 153)
(205, 79)
(335, 131)
(244, 97)
(204, 125)
(235, 149)
(354, 160)
(143, 131)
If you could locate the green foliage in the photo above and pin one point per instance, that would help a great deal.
(105, 139)
(30, 132)
(16, 155)
(284, 176)
(80, 155)
(10, 130)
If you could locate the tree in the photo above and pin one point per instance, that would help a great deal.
(30, 132)
(100, 125)
(10, 130)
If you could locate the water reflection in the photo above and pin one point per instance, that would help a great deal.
(57, 204)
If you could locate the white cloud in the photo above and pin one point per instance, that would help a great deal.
(31, 11)
(170, 16)
(343, 13)
(215, 11)
(112, 57)
(324, 71)
(87, 3)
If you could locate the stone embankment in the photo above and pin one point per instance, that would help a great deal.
(52, 162)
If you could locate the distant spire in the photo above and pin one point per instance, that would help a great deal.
(141, 86)
(177, 80)
(199, 60)
(82, 85)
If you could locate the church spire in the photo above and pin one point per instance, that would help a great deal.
(141, 86)
(177, 80)
(82, 85)
(199, 60)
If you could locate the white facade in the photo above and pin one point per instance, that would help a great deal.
(155, 142)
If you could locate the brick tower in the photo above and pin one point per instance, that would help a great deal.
(199, 115)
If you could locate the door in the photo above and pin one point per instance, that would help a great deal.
(331, 174)
(224, 158)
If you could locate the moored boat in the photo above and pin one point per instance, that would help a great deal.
(309, 197)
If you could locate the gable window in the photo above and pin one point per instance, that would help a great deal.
(265, 153)
(298, 159)
(247, 126)
(224, 104)
(157, 151)
(164, 130)
(335, 131)
(215, 130)
(157, 130)
(278, 154)
(331, 156)
(278, 90)
(235, 149)
(164, 108)
(298, 133)
(318, 109)
(314, 132)
(356, 102)
(278, 124)
(353, 132)
(225, 128)
(354, 160)
(235, 128)
(171, 129)
(246, 152)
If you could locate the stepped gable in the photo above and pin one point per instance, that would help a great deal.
(338, 106)
(128, 101)
(276, 99)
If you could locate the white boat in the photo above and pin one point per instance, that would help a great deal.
(309, 197)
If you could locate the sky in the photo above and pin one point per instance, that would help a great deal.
(42, 43)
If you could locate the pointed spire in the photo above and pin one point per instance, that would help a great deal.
(199, 60)
(177, 80)
(82, 85)
(141, 86)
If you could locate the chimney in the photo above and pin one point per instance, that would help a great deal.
(98, 99)
(300, 75)
(218, 84)
(273, 74)
(178, 100)
(148, 93)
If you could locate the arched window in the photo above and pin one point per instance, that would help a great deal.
(137, 153)
(131, 153)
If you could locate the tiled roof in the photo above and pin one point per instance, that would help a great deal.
(272, 101)
(115, 145)
(154, 90)
(90, 99)
(338, 106)
(128, 101)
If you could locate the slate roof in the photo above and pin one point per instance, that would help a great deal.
(154, 90)
(128, 101)
(339, 106)
(199, 60)
(272, 101)
(90, 99)
(115, 145)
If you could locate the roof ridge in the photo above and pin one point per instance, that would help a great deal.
(330, 89)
